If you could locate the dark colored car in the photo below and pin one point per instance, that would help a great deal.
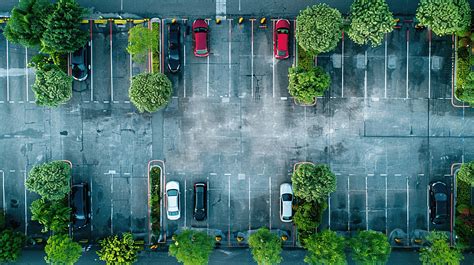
(173, 47)
(281, 37)
(438, 200)
(80, 204)
(200, 201)
(80, 63)
(200, 38)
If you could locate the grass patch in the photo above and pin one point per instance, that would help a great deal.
(155, 174)
(464, 213)
(464, 72)
(305, 60)
(155, 27)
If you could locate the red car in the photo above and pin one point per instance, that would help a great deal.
(200, 38)
(281, 37)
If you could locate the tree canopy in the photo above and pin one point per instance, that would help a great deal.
(325, 247)
(192, 247)
(313, 182)
(60, 249)
(307, 84)
(265, 246)
(115, 250)
(466, 173)
(444, 17)
(140, 41)
(11, 244)
(308, 217)
(370, 21)
(54, 216)
(150, 91)
(439, 252)
(318, 28)
(50, 180)
(370, 247)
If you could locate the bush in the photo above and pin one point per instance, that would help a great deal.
(307, 84)
(325, 248)
(155, 173)
(464, 224)
(370, 247)
(192, 247)
(11, 244)
(266, 247)
(313, 182)
(439, 251)
(305, 60)
(466, 173)
(140, 41)
(50, 180)
(370, 21)
(27, 22)
(52, 86)
(155, 27)
(115, 250)
(54, 216)
(308, 217)
(318, 28)
(444, 17)
(60, 249)
(150, 92)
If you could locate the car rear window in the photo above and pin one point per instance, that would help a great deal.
(201, 51)
(173, 213)
(283, 31)
(281, 53)
(286, 197)
(441, 197)
(172, 192)
(200, 30)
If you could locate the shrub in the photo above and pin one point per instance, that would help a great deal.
(115, 250)
(155, 173)
(307, 84)
(318, 28)
(444, 17)
(140, 41)
(466, 173)
(11, 244)
(308, 217)
(60, 249)
(464, 224)
(313, 182)
(54, 216)
(370, 247)
(192, 247)
(149, 92)
(305, 60)
(466, 93)
(50, 180)
(27, 22)
(439, 251)
(325, 248)
(265, 246)
(370, 21)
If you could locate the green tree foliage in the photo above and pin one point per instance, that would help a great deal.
(50, 180)
(115, 250)
(318, 28)
(266, 247)
(466, 173)
(63, 32)
(54, 216)
(370, 247)
(308, 217)
(11, 244)
(27, 22)
(60, 249)
(439, 251)
(140, 41)
(192, 247)
(307, 84)
(313, 182)
(150, 91)
(370, 21)
(325, 248)
(444, 17)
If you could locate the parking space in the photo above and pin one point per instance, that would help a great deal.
(333, 63)
(418, 63)
(241, 58)
(440, 65)
(4, 66)
(120, 66)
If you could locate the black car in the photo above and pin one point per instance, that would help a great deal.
(200, 201)
(80, 204)
(173, 47)
(438, 199)
(80, 63)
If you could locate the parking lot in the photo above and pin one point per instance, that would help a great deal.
(386, 127)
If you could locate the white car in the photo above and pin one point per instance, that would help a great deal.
(286, 202)
(172, 200)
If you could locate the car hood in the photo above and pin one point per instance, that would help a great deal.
(200, 23)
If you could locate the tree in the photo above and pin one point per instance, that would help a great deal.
(266, 247)
(370, 247)
(444, 17)
(54, 216)
(140, 41)
(313, 182)
(318, 28)
(63, 32)
(50, 180)
(439, 251)
(60, 249)
(150, 91)
(115, 250)
(11, 244)
(192, 248)
(325, 248)
(466, 173)
(370, 21)
(306, 84)
(27, 22)
(308, 217)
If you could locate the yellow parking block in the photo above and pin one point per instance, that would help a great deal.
(100, 21)
(84, 21)
(120, 21)
(139, 21)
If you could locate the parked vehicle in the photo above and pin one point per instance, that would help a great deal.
(174, 45)
(80, 65)
(172, 199)
(200, 201)
(200, 38)
(281, 38)
(438, 202)
(80, 204)
(286, 202)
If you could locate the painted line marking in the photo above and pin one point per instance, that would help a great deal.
(249, 206)
(386, 204)
(230, 57)
(348, 206)
(270, 200)
(251, 60)
(342, 66)
(8, 75)
(26, 74)
(429, 64)
(385, 70)
(295, 56)
(365, 74)
(408, 210)
(408, 50)
(111, 66)
(273, 61)
(184, 59)
(92, 63)
(427, 209)
(4, 205)
(26, 204)
(228, 208)
(207, 78)
(185, 203)
(112, 172)
(131, 196)
(329, 211)
(207, 204)
(366, 204)
(91, 197)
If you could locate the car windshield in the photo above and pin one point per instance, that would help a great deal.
(286, 197)
(281, 53)
(283, 31)
(200, 30)
(173, 213)
(174, 56)
(201, 51)
(172, 192)
(441, 197)
(286, 217)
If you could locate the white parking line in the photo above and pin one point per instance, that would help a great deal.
(348, 206)
(26, 74)
(26, 203)
(385, 70)
(427, 210)
(207, 204)
(329, 211)
(270, 200)
(386, 204)
(273, 62)
(111, 67)
(342, 66)
(408, 49)
(184, 57)
(185, 203)
(92, 205)
(366, 200)
(249, 206)
(111, 202)
(429, 64)
(207, 77)
(4, 206)
(228, 206)
(92, 64)
(230, 57)
(408, 209)
(8, 76)
(251, 59)
(365, 74)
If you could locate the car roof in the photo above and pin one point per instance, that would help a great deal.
(286, 208)
(201, 42)
(282, 42)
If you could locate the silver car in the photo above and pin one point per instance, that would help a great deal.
(172, 200)
(286, 202)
